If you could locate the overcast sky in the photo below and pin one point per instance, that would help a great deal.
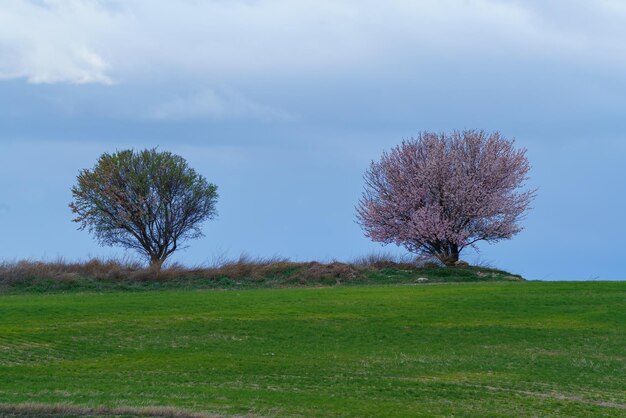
(284, 103)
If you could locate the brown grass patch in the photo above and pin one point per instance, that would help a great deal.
(124, 270)
(62, 410)
(129, 273)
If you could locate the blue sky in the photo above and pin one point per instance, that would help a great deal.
(283, 104)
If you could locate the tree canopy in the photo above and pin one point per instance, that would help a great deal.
(440, 193)
(148, 201)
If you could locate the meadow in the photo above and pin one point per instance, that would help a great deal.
(454, 349)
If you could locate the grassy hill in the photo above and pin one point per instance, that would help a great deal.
(468, 349)
(112, 275)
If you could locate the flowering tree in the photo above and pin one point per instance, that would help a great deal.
(441, 193)
(148, 201)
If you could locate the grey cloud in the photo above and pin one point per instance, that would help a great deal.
(105, 42)
(214, 104)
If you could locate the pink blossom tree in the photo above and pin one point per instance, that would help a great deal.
(441, 193)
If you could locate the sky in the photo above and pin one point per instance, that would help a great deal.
(284, 104)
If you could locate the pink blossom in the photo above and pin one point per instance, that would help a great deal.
(440, 193)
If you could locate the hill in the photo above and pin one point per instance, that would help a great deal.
(245, 273)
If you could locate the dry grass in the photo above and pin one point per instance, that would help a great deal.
(243, 272)
(64, 270)
(61, 410)
(382, 260)
(128, 269)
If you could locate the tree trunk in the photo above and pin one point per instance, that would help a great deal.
(155, 265)
(449, 256)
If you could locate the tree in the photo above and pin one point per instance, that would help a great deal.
(441, 193)
(146, 200)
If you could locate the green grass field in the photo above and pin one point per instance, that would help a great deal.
(472, 349)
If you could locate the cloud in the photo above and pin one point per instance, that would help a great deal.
(81, 41)
(435, 64)
(213, 104)
(50, 42)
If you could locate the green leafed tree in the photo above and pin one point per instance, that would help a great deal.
(148, 201)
